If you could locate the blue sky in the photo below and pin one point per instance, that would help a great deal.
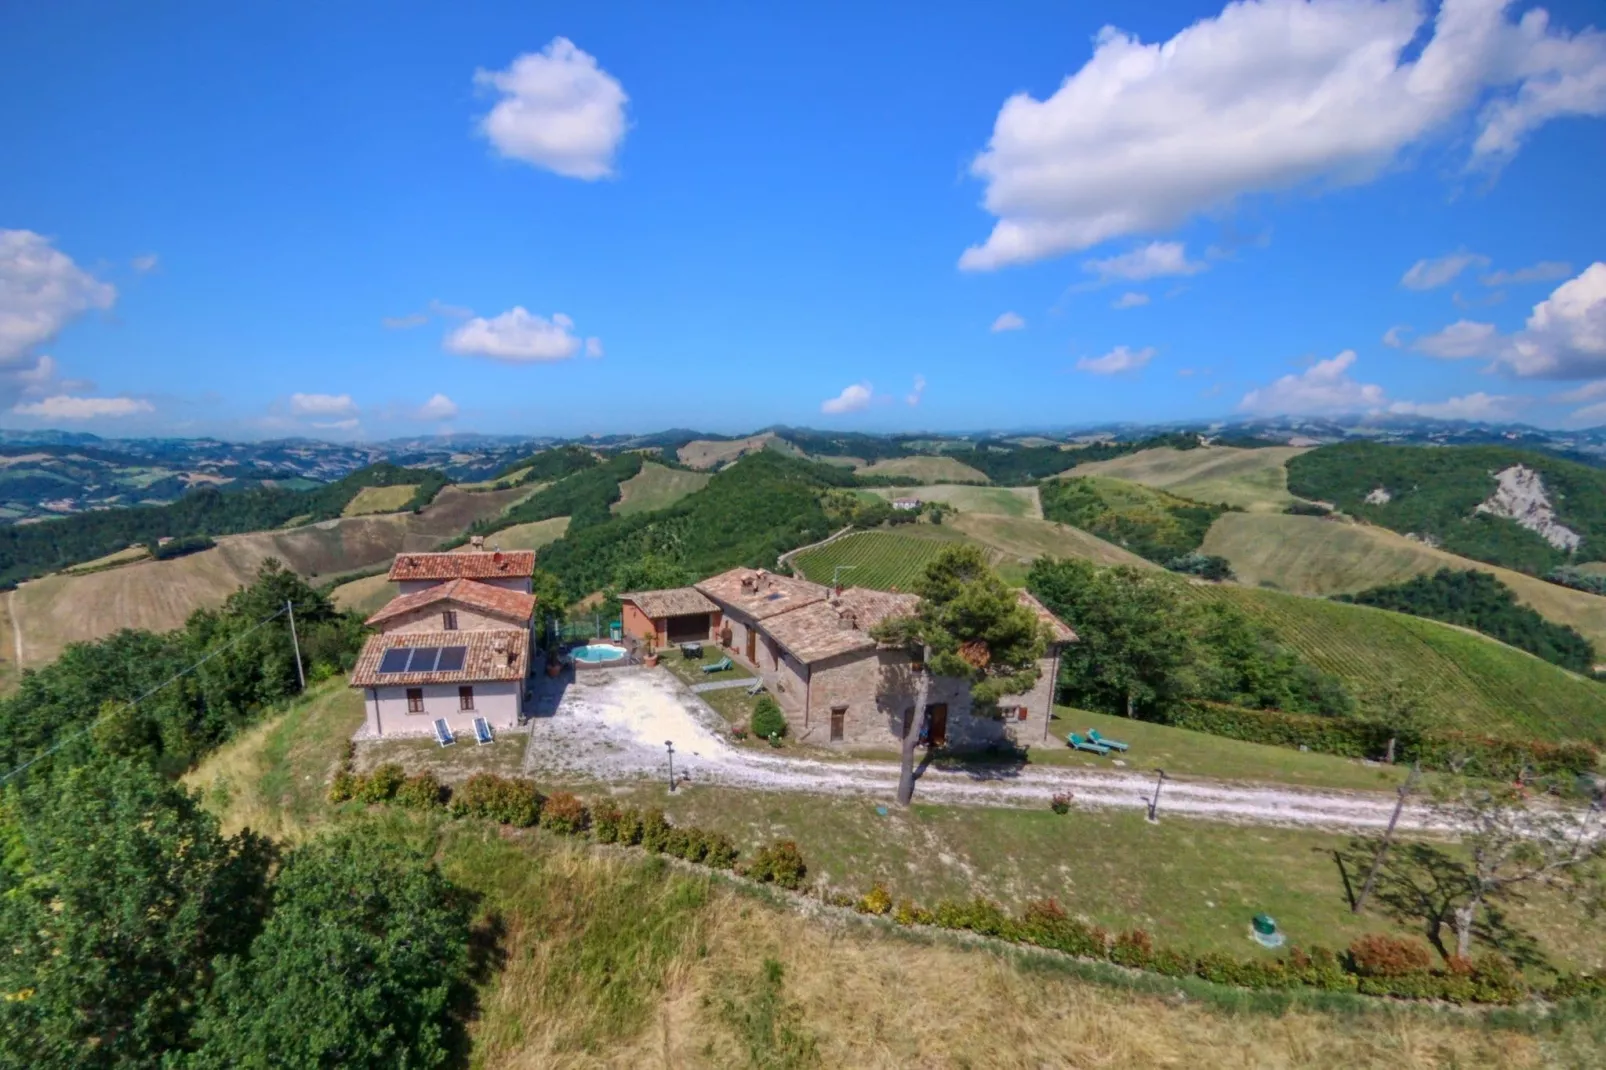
(363, 220)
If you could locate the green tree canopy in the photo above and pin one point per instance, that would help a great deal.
(361, 963)
(117, 891)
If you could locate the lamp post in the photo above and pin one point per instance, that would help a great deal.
(1154, 803)
(669, 744)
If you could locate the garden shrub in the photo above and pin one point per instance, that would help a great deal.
(422, 792)
(1061, 802)
(1319, 968)
(563, 813)
(1377, 955)
(1134, 948)
(507, 800)
(343, 787)
(876, 901)
(654, 831)
(630, 827)
(721, 851)
(781, 863)
(908, 912)
(767, 719)
(380, 785)
(606, 818)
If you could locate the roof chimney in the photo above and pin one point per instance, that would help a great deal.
(496, 559)
(477, 541)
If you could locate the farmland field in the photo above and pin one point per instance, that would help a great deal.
(1024, 539)
(531, 536)
(930, 469)
(379, 500)
(657, 487)
(880, 559)
(999, 501)
(364, 596)
(1309, 555)
(1471, 682)
(708, 453)
(1250, 479)
(121, 557)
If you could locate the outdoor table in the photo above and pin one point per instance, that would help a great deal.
(691, 650)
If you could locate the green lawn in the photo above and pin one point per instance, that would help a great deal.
(451, 764)
(690, 670)
(1190, 883)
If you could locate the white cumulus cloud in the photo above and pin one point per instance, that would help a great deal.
(41, 291)
(1152, 261)
(1394, 337)
(1130, 299)
(1565, 337)
(1268, 95)
(322, 405)
(852, 399)
(1433, 273)
(519, 336)
(1119, 359)
(145, 264)
(68, 407)
(1009, 321)
(558, 110)
(439, 407)
(1324, 387)
(1544, 271)
(1461, 339)
(1479, 406)
(919, 389)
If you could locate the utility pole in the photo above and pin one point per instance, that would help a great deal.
(1388, 837)
(301, 674)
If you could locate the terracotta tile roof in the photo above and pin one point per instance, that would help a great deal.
(840, 625)
(1058, 628)
(760, 594)
(514, 606)
(481, 662)
(473, 565)
(674, 602)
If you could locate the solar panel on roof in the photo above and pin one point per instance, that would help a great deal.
(395, 660)
(451, 658)
(423, 659)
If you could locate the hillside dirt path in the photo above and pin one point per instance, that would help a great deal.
(616, 731)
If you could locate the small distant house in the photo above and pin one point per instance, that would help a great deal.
(676, 615)
(907, 503)
(455, 645)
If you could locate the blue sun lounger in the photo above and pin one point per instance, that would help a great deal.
(1103, 741)
(482, 731)
(443, 732)
(1078, 743)
(719, 666)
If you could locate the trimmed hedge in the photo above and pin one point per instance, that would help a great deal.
(1483, 756)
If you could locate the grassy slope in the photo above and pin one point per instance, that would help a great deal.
(379, 500)
(1309, 555)
(881, 559)
(657, 487)
(611, 959)
(1251, 479)
(531, 536)
(1025, 539)
(932, 469)
(121, 557)
(366, 595)
(998, 501)
(160, 595)
(1471, 682)
(709, 453)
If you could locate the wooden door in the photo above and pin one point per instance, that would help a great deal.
(938, 712)
(752, 646)
(839, 716)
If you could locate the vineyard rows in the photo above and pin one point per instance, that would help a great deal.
(879, 559)
(1470, 682)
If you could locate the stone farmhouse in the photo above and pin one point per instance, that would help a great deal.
(454, 645)
(812, 647)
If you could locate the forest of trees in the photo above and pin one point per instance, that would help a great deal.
(550, 465)
(1141, 649)
(1012, 465)
(1436, 492)
(1479, 601)
(30, 550)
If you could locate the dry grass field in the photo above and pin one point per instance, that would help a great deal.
(121, 557)
(56, 610)
(1025, 539)
(927, 469)
(379, 500)
(1250, 479)
(364, 596)
(967, 498)
(707, 453)
(657, 487)
(531, 536)
(1312, 556)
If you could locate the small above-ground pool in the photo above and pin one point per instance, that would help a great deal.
(597, 653)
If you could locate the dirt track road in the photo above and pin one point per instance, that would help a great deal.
(617, 732)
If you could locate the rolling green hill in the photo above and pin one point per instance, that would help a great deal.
(1436, 493)
(1471, 682)
(881, 559)
(1150, 523)
(1253, 479)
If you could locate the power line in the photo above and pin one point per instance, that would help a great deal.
(60, 743)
